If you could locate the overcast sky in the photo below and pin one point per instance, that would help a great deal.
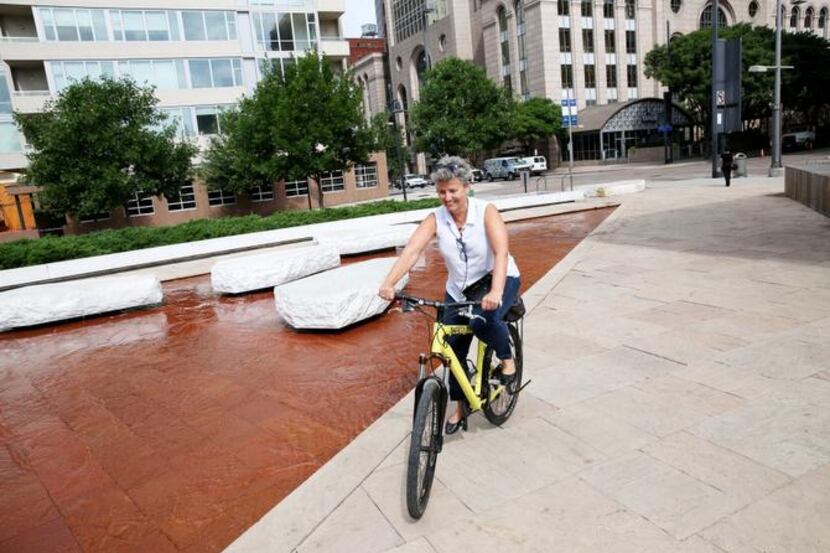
(358, 12)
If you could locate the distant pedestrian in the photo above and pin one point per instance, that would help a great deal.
(726, 165)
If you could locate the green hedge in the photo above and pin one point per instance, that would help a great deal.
(49, 249)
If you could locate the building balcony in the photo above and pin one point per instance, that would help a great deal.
(29, 51)
(333, 7)
(30, 101)
(334, 48)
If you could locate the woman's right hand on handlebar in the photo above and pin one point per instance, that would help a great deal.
(386, 292)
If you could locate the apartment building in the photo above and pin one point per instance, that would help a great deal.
(200, 55)
(592, 51)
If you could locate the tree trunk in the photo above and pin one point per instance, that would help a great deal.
(308, 194)
(319, 191)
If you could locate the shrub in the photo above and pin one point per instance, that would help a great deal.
(50, 249)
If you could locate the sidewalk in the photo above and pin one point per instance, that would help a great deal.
(680, 402)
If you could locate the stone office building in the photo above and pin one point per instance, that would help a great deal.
(589, 50)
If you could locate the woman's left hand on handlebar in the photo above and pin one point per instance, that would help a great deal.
(387, 292)
(491, 301)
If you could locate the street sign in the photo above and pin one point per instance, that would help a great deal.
(569, 120)
(721, 94)
(569, 102)
(664, 128)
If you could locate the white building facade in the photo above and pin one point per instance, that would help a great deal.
(200, 55)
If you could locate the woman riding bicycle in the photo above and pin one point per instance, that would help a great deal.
(472, 238)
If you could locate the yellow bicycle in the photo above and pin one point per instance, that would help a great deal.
(482, 389)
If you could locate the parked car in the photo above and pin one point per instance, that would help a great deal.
(507, 168)
(478, 175)
(415, 180)
(538, 164)
(798, 139)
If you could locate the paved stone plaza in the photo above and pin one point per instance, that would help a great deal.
(680, 402)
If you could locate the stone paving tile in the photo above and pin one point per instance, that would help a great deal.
(420, 545)
(606, 329)
(557, 346)
(684, 346)
(607, 434)
(569, 516)
(664, 405)
(793, 519)
(387, 489)
(792, 437)
(679, 314)
(747, 326)
(530, 455)
(740, 381)
(780, 358)
(356, 525)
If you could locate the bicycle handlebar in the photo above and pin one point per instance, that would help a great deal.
(432, 303)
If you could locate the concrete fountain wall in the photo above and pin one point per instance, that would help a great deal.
(809, 184)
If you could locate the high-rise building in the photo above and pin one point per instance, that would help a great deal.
(200, 60)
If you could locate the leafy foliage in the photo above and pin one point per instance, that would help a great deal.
(302, 124)
(98, 144)
(461, 111)
(49, 249)
(388, 138)
(536, 119)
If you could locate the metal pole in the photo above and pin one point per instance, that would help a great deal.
(570, 140)
(714, 102)
(775, 165)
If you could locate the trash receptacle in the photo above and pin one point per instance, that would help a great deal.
(740, 165)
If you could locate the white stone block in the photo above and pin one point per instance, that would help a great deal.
(336, 298)
(46, 303)
(254, 272)
(367, 239)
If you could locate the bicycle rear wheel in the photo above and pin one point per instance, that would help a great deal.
(423, 449)
(501, 401)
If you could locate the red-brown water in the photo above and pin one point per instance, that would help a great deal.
(176, 428)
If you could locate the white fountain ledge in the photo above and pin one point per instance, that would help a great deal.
(367, 239)
(337, 298)
(46, 303)
(255, 272)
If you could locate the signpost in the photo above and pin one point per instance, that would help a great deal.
(569, 119)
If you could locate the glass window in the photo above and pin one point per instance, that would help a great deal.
(590, 76)
(300, 32)
(65, 23)
(366, 176)
(333, 182)
(794, 15)
(631, 42)
(157, 26)
(676, 5)
(9, 139)
(588, 40)
(630, 8)
(564, 39)
(173, 24)
(99, 25)
(194, 26)
(296, 188)
(117, 25)
(610, 41)
(567, 76)
(808, 18)
(261, 194)
(140, 206)
(164, 73)
(181, 119)
(608, 9)
(706, 17)
(48, 23)
(215, 26)
(5, 95)
(200, 73)
(231, 21)
(85, 25)
(631, 73)
(221, 197)
(587, 8)
(822, 18)
(222, 73)
(286, 35)
(207, 120)
(563, 7)
(134, 29)
(611, 76)
(185, 200)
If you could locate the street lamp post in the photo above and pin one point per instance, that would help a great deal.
(714, 99)
(395, 109)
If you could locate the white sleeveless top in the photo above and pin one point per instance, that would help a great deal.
(472, 241)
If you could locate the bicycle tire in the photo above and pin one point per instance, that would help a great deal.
(498, 411)
(423, 456)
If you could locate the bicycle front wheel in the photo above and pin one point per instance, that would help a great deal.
(423, 449)
(501, 400)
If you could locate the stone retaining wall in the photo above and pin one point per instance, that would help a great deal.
(810, 185)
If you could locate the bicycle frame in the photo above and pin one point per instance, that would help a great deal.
(441, 349)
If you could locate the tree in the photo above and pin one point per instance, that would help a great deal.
(461, 111)
(803, 88)
(388, 138)
(302, 123)
(98, 144)
(536, 119)
(690, 73)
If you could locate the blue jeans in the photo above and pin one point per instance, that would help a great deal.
(492, 330)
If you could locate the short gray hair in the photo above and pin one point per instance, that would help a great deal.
(450, 167)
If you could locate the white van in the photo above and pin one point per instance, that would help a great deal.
(538, 164)
(507, 168)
